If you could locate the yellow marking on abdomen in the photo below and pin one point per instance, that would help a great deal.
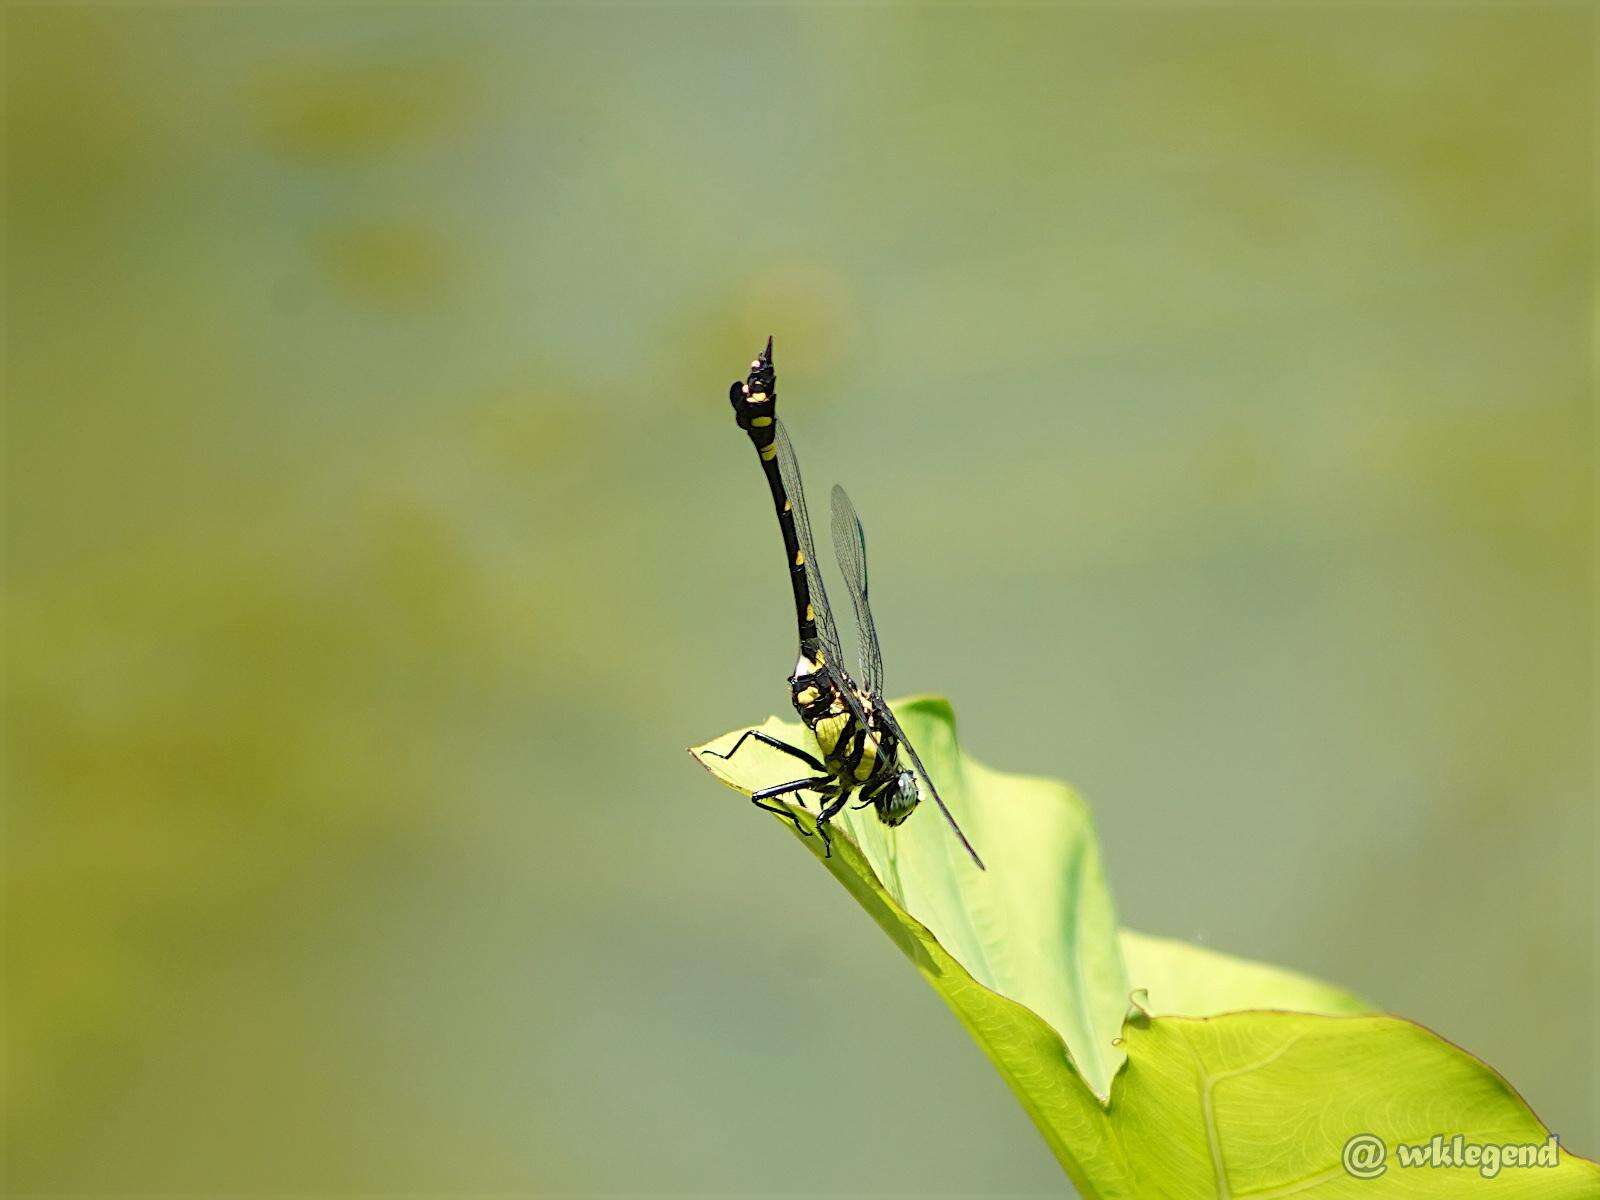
(827, 731)
(757, 397)
(812, 616)
(761, 422)
(869, 759)
(768, 453)
(799, 558)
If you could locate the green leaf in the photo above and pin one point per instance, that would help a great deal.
(1174, 978)
(1037, 926)
(1263, 1104)
(1257, 1104)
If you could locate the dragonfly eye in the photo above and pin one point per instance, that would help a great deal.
(898, 800)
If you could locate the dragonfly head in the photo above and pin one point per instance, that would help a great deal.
(898, 799)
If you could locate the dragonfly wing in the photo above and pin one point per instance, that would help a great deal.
(789, 470)
(887, 718)
(850, 546)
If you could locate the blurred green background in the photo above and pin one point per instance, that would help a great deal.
(1216, 387)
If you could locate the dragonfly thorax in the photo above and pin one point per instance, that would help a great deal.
(860, 753)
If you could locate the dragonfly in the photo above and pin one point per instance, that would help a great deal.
(865, 751)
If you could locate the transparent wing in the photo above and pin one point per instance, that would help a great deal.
(789, 469)
(827, 631)
(850, 544)
(887, 718)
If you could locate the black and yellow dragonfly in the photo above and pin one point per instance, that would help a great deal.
(862, 743)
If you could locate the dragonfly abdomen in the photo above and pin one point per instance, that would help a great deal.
(755, 404)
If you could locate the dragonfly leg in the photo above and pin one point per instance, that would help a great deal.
(763, 799)
(766, 739)
(830, 810)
